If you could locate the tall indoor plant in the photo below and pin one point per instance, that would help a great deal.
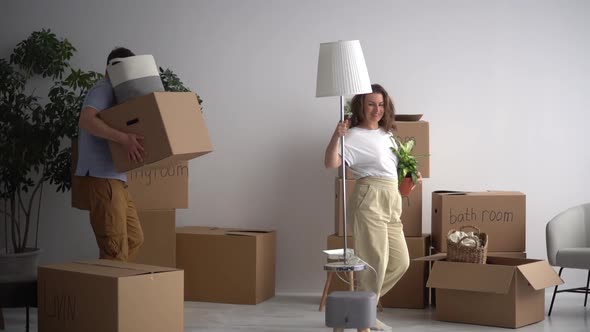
(33, 126)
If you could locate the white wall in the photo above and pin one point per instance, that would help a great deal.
(504, 85)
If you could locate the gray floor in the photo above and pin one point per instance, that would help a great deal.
(299, 313)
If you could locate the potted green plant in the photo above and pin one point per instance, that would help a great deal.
(32, 130)
(407, 166)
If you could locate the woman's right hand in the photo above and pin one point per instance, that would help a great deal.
(332, 159)
(341, 128)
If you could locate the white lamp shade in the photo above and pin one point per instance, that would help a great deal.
(342, 70)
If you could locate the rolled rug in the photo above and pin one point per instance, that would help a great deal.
(134, 76)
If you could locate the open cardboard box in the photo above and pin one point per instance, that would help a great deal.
(504, 292)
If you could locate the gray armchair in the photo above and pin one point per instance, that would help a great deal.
(568, 245)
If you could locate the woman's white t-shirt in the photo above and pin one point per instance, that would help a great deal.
(368, 153)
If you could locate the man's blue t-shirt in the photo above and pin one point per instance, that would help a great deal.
(94, 155)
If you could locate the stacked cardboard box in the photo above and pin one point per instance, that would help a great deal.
(157, 211)
(410, 292)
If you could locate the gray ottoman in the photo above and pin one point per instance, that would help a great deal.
(351, 310)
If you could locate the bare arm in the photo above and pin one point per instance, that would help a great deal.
(90, 122)
(332, 159)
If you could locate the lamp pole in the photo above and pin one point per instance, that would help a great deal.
(343, 176)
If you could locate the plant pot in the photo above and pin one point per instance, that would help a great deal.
(406, 187)
(19, 266)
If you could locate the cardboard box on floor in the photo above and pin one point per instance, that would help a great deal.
(500, 214)
(411, 210)
(159, 232)
(227, 265)
(410, 291)
(420, 132)
(102, 295)
(170, 122)
(508, 254)
(145, 185)
(504, 292)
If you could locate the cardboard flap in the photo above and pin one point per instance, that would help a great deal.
(432, 258)
(123, 268)
(484, 278)
(247, 233)
(449, 192)
(540, 275)
(201, 230)
(106, 268)
(496, 193)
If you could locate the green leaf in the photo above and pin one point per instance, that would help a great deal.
(410, 145)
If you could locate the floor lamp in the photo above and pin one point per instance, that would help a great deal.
(341, 72)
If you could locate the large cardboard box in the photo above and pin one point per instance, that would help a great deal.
(500, 214)
(102, 295)
(145, 185)
(410, 291)
(159, 233)
(227, 265)
(420, 132)
(170, 122)
(504, 292)
(411, 210)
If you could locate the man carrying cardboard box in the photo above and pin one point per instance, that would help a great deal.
(113, 215)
